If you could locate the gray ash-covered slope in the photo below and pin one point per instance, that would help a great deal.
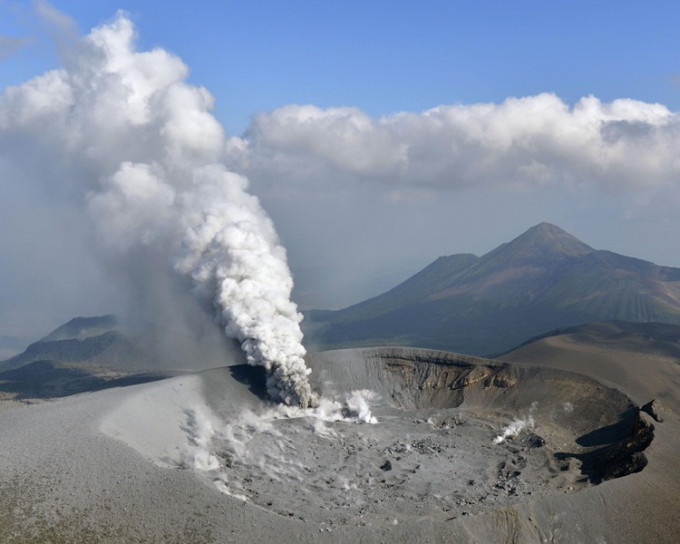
(232, 467)
(642, 359)
(543, 280)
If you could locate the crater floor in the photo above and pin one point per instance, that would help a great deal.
(438, 464)
(435, 436)
(407, 446)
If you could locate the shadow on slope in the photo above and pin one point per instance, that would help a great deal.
(622, 448)
(255, 377)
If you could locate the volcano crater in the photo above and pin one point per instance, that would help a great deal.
(447, 435)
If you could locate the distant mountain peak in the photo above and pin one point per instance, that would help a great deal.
(548, 231)
(542, 280)
(547, 239)
(80, 328)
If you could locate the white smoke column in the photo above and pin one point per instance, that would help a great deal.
(358, 406)
(231, 252)
(513, 429)
(517, 426)
(141, 151)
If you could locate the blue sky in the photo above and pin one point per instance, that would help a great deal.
(389, 56)
(331, 109)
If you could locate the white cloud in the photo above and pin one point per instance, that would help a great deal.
(57, 19)
(536, 139)
(356, 196)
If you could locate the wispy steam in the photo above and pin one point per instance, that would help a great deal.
(120, 134)
(9, 45)
(517, 426)
(514, 428)
(255, 439)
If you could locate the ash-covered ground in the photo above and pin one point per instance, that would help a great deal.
(408, 445)
(435, 436)
(393, 465)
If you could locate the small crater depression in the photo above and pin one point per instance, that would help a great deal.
(420, 434)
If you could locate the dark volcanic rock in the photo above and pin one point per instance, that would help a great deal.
(387, 465)
(654, 409)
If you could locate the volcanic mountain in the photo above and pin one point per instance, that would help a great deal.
(92, 353)
(542, 280)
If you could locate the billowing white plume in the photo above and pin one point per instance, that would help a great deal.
(231, 252)
(143, 155)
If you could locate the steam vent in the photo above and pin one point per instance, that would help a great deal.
(448, 436)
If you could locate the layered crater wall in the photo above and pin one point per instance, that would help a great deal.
(407, 434)
(581, 418)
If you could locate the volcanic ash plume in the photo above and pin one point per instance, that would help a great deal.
(135, 148)
(230, 250)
